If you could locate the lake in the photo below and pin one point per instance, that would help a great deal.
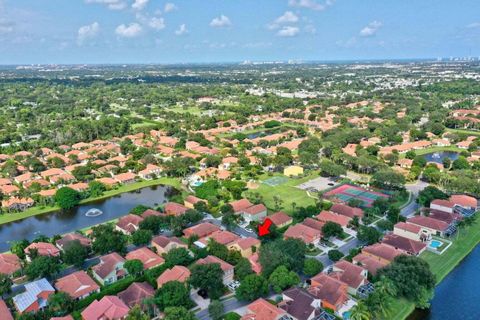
(458, 295)
(439, 156)
(58, 222)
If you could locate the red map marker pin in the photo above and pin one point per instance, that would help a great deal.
(264, 228)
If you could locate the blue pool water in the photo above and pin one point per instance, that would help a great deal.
(196, 184)
(435, 244)
(458, 295)
(346, 315)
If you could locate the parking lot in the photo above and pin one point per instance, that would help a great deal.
(318, 184)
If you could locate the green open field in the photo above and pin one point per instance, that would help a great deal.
(9, 217)
(466, 131)
(442, 265)
(286, 191)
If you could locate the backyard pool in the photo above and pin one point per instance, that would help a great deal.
(435, 244)
(346, 315)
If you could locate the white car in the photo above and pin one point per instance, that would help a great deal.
(233, 285)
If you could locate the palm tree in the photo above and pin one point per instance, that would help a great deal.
(360, 312)
(386, 286)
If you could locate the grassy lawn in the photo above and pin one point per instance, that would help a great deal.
(9, 217)
(442, 265)
(470, 132)
(437, 149)
(287, 192)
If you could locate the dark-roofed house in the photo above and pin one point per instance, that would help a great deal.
(77, 285)
(280, 219)
(5, 313)
(332, 292)
(345, 210)
(110, 269)
(300, 304)
(128, 224)
(165, 244)
(9, 263)
(146, 256)
(201, 230)
(35, 296)
(409, 246)
(136, 293)
(69, 237)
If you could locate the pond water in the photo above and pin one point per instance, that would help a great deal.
(58, 222)
(439, 156)
(457, 296)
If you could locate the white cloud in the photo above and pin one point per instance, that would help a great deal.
(157, 23)
(111, 4)
(6, 26)
(474, 25)
(182, 29)
(220, 22)
(288, 31)
(87, 32)
(130, 31)
(287, 18)
(139, 4)
(310, 4)
(371, 29)
(169, 7)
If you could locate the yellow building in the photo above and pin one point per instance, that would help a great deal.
(293, 171)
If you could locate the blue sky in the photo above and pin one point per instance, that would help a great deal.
(154, 31)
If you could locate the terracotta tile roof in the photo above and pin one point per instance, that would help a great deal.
(368, 262)
(222, 237)
(193, 200)
(256, 266)
(329, 289)
(77, 284)
(261, 309)
(43, 249)
(346, 210)
(428, 222)
(302, 232)
(136, 293)
(151, 212)
(464, 201)
(125, 177)
(9, 263)
(407, 245)
(177, 273)
(279, 218)
(109, 307)
(163, 241)
(314, 224)
(383, 251)
(212, 259)
(147, 256)
(175, 209)
(255, 209)
(129, 223)
(107, 264)
(201, 230)
(326, 216)
(407, 227)
(349, 273)
(443, 203)
(248, 242)
(72, 237)
(240, 205)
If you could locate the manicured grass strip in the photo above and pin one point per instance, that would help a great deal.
(287, 192)
(437, 149)
(9, 217)
(441, 265)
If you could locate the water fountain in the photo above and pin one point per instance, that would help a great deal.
(94, 212)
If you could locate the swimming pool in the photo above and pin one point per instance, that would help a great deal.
(196, 184)
(346, 315)
(434, 244)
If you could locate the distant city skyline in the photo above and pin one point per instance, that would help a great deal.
(194, 31)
